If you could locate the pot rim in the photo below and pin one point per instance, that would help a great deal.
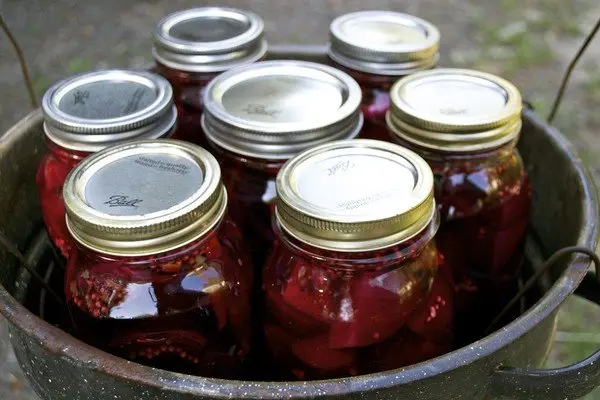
(58, 342)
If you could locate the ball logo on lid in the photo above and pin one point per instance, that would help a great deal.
(110, 98)
(143, 184)
(144, 197)
(354, 184)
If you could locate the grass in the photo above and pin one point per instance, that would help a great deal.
(78, 65)
(520, 38)
(576, 317)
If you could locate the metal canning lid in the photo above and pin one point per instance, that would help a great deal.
(355, 195)
(209, 39)
(276, 109)
(144, 197)
(455, 110)
(94, 110)
(384, 42)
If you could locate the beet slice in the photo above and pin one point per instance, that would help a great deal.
(376, 307)
(433, 319)
(290, 319)
(315, 353)
(405, 349)
(308, 290)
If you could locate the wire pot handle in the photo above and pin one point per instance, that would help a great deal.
(570, 382)
(567, 75)
(22, 62)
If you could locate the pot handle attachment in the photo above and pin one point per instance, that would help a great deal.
(571, 382)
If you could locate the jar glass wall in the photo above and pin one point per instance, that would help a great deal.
(354, 283)
(160, 274)
(193, 46)
(87, 113)
(468, 136)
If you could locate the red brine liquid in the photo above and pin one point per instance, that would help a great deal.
(485, 204)
(337, 314)
(186, 310)
(188, 89)
(375, 102)
(51, 174)
(250, 183)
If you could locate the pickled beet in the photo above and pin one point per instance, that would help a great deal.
(328, 313)
(186, 310)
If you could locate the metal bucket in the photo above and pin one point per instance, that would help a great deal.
(565, 213)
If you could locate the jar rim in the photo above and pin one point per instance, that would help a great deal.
(473, 111)
(335, 196)
(144, 197)
(264, 110)
(406, 45)
(108, 107)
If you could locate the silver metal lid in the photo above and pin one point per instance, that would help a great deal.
(455, 110)
(355, 195)
(209, 39)
(384, 42)
(144, 197)
(276, 109)
(94, 110)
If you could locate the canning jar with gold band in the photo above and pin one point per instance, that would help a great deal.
(354, 284)
(466, 124)
(259, 116)
(86, 113)
(193, 46)
(377, 48)
(160, 275)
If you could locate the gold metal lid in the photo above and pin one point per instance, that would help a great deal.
(276, 109)
(209, 39)
(384, 42)
(455, 110)
(355, 195)
(144, 197)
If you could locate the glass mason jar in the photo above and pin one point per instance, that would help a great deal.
(466, 124)
(354, 284)
(159, 275)
(193, 46)
(87, 113)
(259, 116)
(377, 48)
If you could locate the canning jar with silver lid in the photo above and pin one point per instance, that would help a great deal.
(160, 274)
(354, 273)
(192, 46)
(258, 116)
(87, 113)
(377, 48)
(466, 124)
